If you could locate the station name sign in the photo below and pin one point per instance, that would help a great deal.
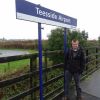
(32, 12)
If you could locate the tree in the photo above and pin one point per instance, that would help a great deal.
(84, 35)
(56, 41)
(76, 34)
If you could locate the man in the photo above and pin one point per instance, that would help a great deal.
(74, 66)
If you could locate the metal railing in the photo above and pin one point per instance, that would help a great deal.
(53, 74)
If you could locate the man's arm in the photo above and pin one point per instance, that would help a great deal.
(66, 60)
(82, 61)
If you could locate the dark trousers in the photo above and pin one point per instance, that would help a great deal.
(68, 78)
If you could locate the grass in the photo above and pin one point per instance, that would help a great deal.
(32, 51)
(15, 66)
(11, 67)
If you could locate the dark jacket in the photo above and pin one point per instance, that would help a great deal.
(75, 61)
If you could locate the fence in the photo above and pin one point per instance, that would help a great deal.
(53, 74)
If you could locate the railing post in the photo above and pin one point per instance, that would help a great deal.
(96, 56)
(45, 64)
(31, 78)
(35, 77)
(87, 53)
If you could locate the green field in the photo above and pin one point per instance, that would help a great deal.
(13, 67)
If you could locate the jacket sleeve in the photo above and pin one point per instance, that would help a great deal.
(66, 60)
(82, 62)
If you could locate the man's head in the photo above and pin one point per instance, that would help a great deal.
(75, 44)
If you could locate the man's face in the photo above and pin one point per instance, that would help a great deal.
(75, 44)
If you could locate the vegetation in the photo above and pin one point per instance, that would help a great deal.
(82, 36)
(21, 44)
(13, 67)
(56, 41)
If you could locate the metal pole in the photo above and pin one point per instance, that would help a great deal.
(65, 40)
(40, 60)
(65, 51)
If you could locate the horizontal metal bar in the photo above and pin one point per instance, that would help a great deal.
(22, 95)
(53, 80)
(92, 55)
(98, 65)
(28, 92)
(91, 47)
(18, 57)
(52, 92)
(92, 61)
(11, 81)
(25, 93)
(26, 56)
(57, 95)
(53, 67)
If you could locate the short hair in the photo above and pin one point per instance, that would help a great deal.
(75, 40)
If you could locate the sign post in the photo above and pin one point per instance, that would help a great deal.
(65, 51)
(40, 60)
(31, 12)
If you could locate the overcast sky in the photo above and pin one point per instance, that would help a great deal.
(86, 11)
